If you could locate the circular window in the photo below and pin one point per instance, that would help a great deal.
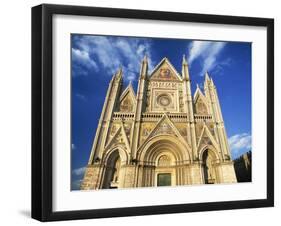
(163, 100)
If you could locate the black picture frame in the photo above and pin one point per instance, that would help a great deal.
(42, 107)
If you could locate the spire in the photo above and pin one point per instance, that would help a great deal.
(130, 84)
(119, 74)
(207, 77)
(184, 62)
(120, 71)
(185, 72)
(212, 82)
(198, 90)
(207, 80)
(145, 59)
(144, 67)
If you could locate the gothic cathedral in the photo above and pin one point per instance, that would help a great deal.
(160, 136)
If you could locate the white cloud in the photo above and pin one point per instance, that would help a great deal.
(208, 52)
(73, 147)
(240, 142)
(196, 48)
(80, 96)
(75, 185)
(83, 58)
(219, 68)
(79, 171)
(112, 52)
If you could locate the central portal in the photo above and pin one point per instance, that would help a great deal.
(164, 179)
(163, 162)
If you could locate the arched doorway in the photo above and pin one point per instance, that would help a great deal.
(209, 172)
(112, 171)
(165, 171)
(162, 159)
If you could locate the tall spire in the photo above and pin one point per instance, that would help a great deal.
(212, 82)
(144, 67)
(119, 74)
(145, 59)
(207, 81)
(207, 77)
(184, 59)
(185, 72)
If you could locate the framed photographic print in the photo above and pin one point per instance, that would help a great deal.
(146, 112)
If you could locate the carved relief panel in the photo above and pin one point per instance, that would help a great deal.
(201, 107)
(163, 96)
(112, 130)
(127, 104)
(182, 128)
(146, 129)
(164, 73)
(127, 127)
(198, 130)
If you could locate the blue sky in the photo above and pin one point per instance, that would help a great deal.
(96, 58)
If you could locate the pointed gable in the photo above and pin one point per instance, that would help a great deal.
(119, 138)
(206, 138)
(165, 71)
(166, 127)
(200, 102)
(128, 100)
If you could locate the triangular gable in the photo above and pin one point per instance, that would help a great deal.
(119, 137)
(129, 90)
(165, 71)
(198, 97)
(165, 126)
(198, 93)
(205, 133)
(128, 99)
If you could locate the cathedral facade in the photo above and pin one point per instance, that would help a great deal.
(160, 136)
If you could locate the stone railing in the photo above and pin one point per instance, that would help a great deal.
(123, 116)
(202, 118)
(177, 117)
(151, 116)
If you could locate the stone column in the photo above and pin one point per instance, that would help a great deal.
(196, 173)
(128, 175)
(139, 108)
(188, 104)
(227, 172)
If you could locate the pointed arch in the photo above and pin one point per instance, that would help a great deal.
(209, 159)
(113, 161)
(213, 152)
(117, 149)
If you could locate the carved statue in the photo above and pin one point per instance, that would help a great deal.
(116, 171)
(209, 168)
